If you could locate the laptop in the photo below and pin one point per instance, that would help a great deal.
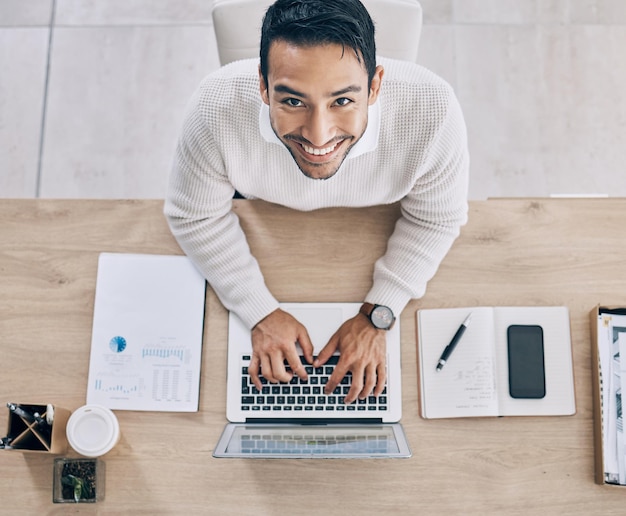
(296, 419)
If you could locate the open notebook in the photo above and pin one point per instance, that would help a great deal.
(475, 379)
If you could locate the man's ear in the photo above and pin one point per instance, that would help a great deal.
(263, 88)
(375, 85)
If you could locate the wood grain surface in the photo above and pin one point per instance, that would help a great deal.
(512, 252)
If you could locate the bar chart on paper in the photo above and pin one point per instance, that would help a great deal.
(119, 386)
(163, 353)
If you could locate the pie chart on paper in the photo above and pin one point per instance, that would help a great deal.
(117, 344)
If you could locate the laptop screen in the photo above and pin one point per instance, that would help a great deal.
(312, 441)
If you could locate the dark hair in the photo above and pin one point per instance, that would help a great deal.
(320, 22)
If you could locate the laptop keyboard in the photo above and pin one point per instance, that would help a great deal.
(303, 396)
(315, 444)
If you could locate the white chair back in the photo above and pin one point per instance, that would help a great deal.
(237, 26)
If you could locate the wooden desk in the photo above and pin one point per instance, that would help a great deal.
(512, 252)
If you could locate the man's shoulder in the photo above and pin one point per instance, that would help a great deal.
(411, 91)
(233, 79)
(412, 76)
(416, 104)
(229, 89)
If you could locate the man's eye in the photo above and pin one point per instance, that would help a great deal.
(343, 101)
(293, 102)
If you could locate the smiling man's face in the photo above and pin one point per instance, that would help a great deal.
(318, 98)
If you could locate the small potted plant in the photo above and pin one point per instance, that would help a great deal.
(78, 480)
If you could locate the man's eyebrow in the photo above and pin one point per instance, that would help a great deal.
(282, 88)
(350, 89)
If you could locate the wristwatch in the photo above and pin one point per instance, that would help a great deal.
(379, 315)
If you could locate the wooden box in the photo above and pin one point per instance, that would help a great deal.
(27, 434)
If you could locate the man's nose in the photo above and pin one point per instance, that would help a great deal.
(319, 128)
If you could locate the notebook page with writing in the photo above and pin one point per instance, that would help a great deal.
(465, 386)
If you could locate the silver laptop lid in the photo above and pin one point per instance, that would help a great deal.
(321, 321)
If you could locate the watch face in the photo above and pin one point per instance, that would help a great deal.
(382, 317)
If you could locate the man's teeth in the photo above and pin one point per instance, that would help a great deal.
(318, 152)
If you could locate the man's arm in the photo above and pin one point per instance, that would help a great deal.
(431, 218)
(198, 208)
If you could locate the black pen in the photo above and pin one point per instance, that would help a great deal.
(455, 340)
(18, 410)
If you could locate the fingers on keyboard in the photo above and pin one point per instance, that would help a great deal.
(305, 395)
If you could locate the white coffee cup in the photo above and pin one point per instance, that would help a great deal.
(92, 430)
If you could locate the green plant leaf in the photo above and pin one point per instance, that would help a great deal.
(77, 484)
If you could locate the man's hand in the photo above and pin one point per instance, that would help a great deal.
(274, 340)
(362, 351)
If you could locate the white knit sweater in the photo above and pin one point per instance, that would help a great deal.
(421, 159)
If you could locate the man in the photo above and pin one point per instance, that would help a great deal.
(331, 127)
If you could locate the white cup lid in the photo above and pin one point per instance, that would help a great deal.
(92, 430)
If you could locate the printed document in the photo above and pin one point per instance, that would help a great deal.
(146, 342)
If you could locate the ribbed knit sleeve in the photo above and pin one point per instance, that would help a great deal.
(436, 206)
(199, 200)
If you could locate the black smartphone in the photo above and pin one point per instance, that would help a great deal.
(527, 374)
